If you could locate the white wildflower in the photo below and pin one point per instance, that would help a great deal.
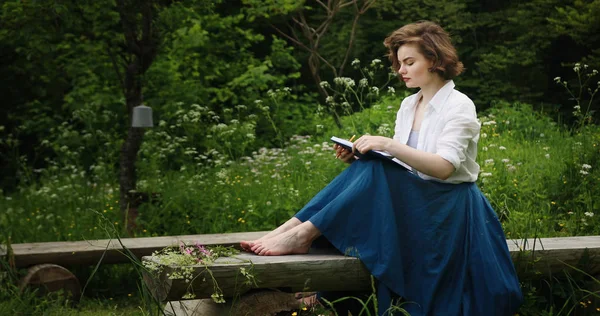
(505, 160)
(486, 174)
(344, 81)
(588, 214)
(375, 61)
(391, 90)
(489, 123)
(586, 166)
(324, 84)
(502, 148)
(547, 156)
(484, 135)
(355, 62)
(583, 172)
(363, 82)
(489, 161)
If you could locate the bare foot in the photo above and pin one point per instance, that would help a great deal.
(295, 241)
(291, 223)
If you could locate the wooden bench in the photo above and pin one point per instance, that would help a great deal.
(89, 252)
(316, 271)
(47, 260)
(333, 271)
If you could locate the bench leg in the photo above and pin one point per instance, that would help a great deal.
(49, 278)
(261, 302)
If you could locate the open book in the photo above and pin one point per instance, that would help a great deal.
(371, 154)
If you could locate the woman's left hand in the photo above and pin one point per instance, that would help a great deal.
(367, 142)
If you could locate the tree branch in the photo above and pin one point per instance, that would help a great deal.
(128, 29)
(116, 67)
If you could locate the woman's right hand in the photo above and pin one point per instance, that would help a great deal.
(343, 154)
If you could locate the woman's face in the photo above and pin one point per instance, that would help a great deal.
(414, 67)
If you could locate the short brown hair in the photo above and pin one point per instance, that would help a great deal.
(433, 42)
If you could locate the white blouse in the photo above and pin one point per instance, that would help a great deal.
(449, 128)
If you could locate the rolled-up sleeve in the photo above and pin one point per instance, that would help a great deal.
(461, 127)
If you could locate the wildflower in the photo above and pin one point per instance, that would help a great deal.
(344, 81)
(547, 156)
(484, 135)
(502, 148)
(542, 135)
(586, 166)
(489, 123)
(363, 82)
(391, 90)
(486, 174)
(577, 107)
(505, 160)
(588, 214)
(324, 84)
(557, 79)
(329, 99)
(489, 161)
(375, 90)
(583, 172)
(511, 168)
(375, 61)
(355, 62)
(545, 148)
(484, 148)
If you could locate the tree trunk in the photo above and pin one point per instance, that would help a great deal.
(131, 145)
(128, 176)
(141, 42)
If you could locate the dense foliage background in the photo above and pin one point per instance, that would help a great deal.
(247, 93)
(63, 64)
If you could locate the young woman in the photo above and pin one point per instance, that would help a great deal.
(428, 236)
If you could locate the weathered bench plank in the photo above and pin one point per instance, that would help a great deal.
(323, 271)
(337, 272)
(88, 252)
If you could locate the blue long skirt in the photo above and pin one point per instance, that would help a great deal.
(438, 246)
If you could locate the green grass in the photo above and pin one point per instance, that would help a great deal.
(534, 172)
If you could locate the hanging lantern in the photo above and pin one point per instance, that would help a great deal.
(142, 116)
